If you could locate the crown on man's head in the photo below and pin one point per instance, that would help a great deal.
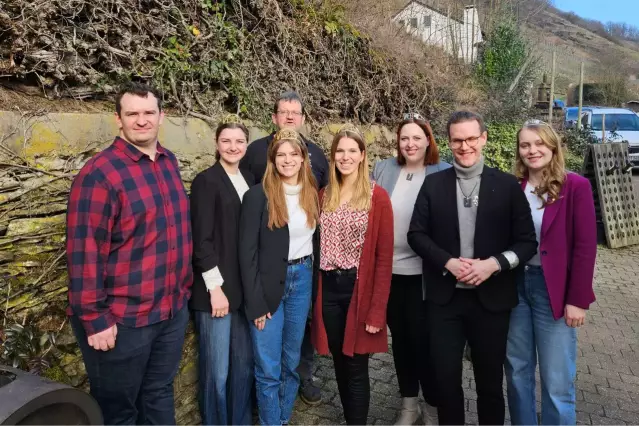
(286, 134)
(349, 127)
(231, 118)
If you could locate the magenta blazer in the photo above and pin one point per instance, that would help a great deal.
(568, 246)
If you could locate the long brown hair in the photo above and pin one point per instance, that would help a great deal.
(274, 188)
(362, 195)
(554, 174)
(432, 152)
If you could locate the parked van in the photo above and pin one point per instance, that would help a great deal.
(622, 125)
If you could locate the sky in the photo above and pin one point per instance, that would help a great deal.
(610, 10)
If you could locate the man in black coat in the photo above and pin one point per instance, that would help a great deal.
(288, 112)
(473, 228)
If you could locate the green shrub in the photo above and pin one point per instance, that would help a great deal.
(577, 140)
(27, 348)
(501, 146)
(574, 162)
(503, 55)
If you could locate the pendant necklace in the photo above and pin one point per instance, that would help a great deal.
(469, 200)
(410, 175)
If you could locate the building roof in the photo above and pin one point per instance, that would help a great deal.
(436, 6)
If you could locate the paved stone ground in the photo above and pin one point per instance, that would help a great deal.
(607, 367)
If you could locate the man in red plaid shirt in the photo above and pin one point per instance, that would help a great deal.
(129, 261)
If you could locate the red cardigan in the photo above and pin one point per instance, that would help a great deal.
(372, 286)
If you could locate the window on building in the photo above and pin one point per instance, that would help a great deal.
(427, 20)
(413, 22)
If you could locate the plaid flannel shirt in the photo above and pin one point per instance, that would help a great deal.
(128, 239)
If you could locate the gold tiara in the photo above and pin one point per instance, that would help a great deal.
(287, 134)
(349, 127)
(231, 118)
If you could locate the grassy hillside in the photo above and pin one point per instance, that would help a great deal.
(552, 29)
(546, 27)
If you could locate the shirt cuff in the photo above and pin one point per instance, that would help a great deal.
(94, 326)
(213, 278)
(508, 260)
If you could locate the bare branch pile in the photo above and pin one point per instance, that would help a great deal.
(210, 56)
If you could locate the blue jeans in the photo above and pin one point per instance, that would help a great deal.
(535, 334)
(133, 382)
(277, 348)
(225, 365)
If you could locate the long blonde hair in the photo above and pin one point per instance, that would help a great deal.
(274, 188)
(362, 194)
(554, 174)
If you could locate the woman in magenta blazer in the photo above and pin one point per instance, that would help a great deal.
(556, 288)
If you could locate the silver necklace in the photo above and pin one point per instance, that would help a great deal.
(469, 200)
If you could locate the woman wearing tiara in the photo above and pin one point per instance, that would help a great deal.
(277, 241)
(356, 257)
(225, 354)
(402, 177)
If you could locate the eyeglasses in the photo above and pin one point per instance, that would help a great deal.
(289, 113)
(471, 142)
(413, 116)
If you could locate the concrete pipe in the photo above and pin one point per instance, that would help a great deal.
(27, 399)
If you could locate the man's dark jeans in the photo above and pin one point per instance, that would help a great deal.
(305, 369)
(133, 382)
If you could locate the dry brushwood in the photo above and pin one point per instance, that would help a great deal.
(210, 56)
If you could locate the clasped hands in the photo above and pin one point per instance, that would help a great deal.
(472, 271)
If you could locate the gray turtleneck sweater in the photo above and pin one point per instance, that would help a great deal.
(468, 183)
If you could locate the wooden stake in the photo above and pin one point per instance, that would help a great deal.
(551, 104)
(581, 95)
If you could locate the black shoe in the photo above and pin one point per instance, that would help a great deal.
(309, 393)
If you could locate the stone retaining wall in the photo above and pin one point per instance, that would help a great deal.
(39, 155)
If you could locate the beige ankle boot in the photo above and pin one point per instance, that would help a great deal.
(429, 414)
(411, 412)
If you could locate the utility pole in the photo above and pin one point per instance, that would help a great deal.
(581, 95)
(551, 104)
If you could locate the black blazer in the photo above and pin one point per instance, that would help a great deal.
(215, 220)
(503, 223)
(264, 256)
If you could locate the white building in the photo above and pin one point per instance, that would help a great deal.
(458, 34)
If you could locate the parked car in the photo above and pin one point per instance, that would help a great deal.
(621, 125)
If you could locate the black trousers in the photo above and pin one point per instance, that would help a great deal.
(351, 373)
(464, 318)
(408, 324)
